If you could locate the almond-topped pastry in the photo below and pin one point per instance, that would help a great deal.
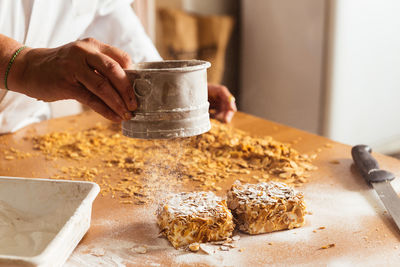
(187, 218)
(266, 207)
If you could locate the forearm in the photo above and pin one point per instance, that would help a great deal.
(8, 47)
(86, 70)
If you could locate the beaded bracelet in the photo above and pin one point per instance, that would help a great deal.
(10, 64)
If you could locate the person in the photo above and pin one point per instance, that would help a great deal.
(55, 49)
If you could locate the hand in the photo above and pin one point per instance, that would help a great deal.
(222, 103)
(87, 70)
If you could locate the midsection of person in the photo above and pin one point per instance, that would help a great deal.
(47, 24)
(59, 61)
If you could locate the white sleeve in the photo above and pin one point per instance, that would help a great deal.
(119, 26)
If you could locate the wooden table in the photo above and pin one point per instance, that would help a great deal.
(339, 199)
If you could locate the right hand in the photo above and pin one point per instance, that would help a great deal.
(89, 71)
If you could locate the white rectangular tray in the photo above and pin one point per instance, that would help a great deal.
(41, 220)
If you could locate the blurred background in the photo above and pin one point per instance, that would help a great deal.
(330, 67)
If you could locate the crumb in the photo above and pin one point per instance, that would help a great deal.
(236, 237)
(328, 246)
(140, 250)
(224, 248)
(207, 249)
(98, 252)
(194, 247)
(334, 162)
(270, 243)
(241, 249)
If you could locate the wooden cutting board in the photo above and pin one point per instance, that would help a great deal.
(345, 211)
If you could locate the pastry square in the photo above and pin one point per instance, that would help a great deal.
(187, 218)
(266, 207)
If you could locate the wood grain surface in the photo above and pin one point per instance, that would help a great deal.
(338, 199)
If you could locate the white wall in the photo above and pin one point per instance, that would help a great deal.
(363, 82)
(281, 60)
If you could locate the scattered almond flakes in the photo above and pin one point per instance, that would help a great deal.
(9, 157)
(126, 202)
(143, 168)
(13, 153)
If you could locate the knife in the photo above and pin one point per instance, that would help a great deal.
(379, 179)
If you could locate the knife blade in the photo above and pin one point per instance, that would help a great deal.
(379, 179)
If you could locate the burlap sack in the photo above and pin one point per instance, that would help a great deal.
(188, 36)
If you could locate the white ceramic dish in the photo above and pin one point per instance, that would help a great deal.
(41, 220)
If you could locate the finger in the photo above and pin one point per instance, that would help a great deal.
(232, 104)
(223, 102)
(101, 87)
(219, 116)
(227, 98)
(117, 54)
(87, 98)
(110, 68)
(220, 98)
(223, 116)
(228, 116)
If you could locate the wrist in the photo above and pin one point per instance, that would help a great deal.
(16, 79)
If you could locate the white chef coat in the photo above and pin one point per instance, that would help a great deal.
(52, 23)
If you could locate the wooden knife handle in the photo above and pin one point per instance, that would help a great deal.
(368, 166)
(363, 159)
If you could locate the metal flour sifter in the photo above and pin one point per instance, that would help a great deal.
(172, 99)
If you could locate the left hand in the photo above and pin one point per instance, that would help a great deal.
(222, 103)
